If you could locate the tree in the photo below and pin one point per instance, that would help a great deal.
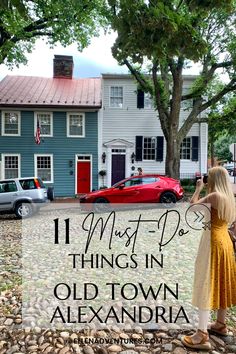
(160, 38)
(64, 21)
(221, 124)
(222, 151)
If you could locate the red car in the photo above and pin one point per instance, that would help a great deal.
(138, 189)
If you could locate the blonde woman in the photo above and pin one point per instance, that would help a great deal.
(221, 284)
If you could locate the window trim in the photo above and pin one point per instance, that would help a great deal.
(122, 96)
(51, 123)
(3, 123)
(149, 137)
(52, 166)
(68, 124)
(3, 164)
(190, 158)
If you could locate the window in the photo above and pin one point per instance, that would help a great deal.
(27, 184)
(45, 123)
(11, 166)
(7, 187)
(116, 96)
(148, 180)
(149, 148)
(185, 149)
(133, 182)
(148, 101)
(11, 123)
(75, 125)
(44, 167)
(144, 100)
(187, 104)
(83, 157)
(118, 151)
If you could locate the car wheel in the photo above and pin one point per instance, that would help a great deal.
(168, 197)
(23, 210)
(50, 193)
(101, 205)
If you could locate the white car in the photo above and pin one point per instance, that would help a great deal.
(23, 196)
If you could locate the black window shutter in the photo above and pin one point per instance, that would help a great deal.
(160, 148)
(139, 148)
(195, 142)
(140, 99)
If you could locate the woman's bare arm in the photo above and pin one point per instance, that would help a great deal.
(211, 198)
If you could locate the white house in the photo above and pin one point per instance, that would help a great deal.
(131, 137)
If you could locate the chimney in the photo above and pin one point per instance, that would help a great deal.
(63, 66)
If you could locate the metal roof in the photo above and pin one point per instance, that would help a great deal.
(50, 92)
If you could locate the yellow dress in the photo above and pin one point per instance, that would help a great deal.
(215, 268)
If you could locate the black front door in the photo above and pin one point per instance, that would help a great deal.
(118, 168)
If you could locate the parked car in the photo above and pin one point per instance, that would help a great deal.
(231, 169)
(138, 189)
(23, 196)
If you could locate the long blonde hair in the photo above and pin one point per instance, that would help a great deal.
(218, 181)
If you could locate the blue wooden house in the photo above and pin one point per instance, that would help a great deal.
(65, 109)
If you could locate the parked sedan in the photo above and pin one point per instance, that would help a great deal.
(138, 189)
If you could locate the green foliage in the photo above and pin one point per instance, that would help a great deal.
(64, 21)
(147, 29)
(165, 37)
(189, 188)
(222, 116)
(209, 4)
(186, 182)
(222, 151)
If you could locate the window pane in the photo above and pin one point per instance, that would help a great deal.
(11, 166)
(7, 187)
(45, 123)
(76, 125)
(11, 123)
(28, 184)
(116, 98)
(44, 167)
(147, 180)
(185, 149)
(149, 148)
(148, 102)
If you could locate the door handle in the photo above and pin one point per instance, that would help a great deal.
(15, 194)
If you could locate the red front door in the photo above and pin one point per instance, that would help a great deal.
(83, 177)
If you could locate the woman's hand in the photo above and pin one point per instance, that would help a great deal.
(198, 189)
(199, 185)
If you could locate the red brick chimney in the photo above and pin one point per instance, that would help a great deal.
(63, 66)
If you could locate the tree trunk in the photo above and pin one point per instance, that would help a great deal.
(212, 150)
(172, 158)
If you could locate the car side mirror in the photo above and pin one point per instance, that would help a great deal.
(121, 186)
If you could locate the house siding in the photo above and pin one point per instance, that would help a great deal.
(129, 121)
(60, 146)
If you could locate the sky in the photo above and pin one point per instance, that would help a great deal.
(94, 60)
